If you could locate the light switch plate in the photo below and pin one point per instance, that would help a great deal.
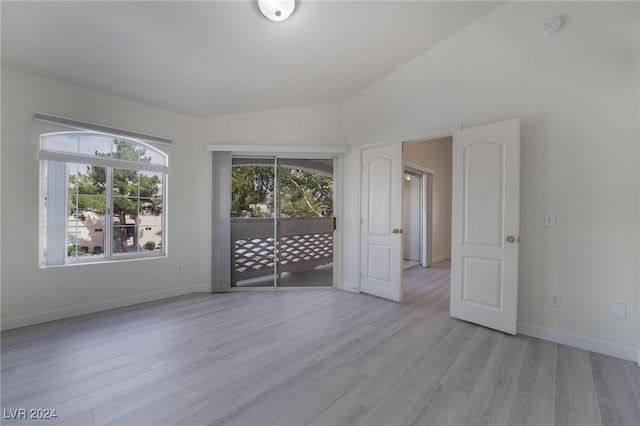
(552, 219)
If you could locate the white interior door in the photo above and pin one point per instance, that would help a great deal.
(484, 240)
(381, 225)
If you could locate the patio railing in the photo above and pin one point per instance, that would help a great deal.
(304, 244)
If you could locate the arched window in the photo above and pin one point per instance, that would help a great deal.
(103, 197)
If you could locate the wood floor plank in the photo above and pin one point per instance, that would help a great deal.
(194, 404)
(388, 375)
(468, 368)
(343, 412)
(530, 410)
(575, 397)
(299, 400)
(538, 373)
(442, 407)
(324, 394)
(129, 397)
(402, 362)
(129, 387)
(340, 349)
(617, 398)
(402, 404)
(55, 397)
(454, 342)
(52, 367)
(492, 397)
(633, 370)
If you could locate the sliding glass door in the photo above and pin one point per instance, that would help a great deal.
(281, 222)
(253, 211)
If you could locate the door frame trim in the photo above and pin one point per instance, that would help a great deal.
(416, 137)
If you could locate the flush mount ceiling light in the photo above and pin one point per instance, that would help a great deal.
(551, 25)
(277, 10)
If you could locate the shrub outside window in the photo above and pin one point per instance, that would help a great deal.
(103, 197)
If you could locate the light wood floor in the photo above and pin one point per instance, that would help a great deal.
(308, 357)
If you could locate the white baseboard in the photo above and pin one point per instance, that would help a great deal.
(439, 259)
(353, 288)
(582, 342)
(72, 311)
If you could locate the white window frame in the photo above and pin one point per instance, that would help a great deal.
(55, 254)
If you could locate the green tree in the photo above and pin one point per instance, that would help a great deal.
(134, 193)
(305, 194)
(302, 193)
(251, 185)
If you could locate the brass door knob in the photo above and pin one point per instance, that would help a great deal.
(511, 239)
(397, 231)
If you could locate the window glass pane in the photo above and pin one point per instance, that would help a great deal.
(126, 211)
(126, 150)
(151, 184)
(99, 145)
(252, 226)
(149, 235)
(137, 209)
(125, 182)
(154, 157)
(125, 237)
(305, 237)
(252, 188)
(86, 212)
(84, 241)
(306, 193)
(63, 142)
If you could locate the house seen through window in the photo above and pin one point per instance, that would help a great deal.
(102, 198)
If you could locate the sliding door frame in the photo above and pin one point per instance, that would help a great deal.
(221, 200)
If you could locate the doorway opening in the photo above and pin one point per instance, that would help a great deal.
(427, 214)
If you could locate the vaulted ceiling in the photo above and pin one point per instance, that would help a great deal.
(219, 57)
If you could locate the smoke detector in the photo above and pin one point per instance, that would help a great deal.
(551, 25)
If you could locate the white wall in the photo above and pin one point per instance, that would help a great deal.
(576, 93)
(31, 294)
(313, 125)
(436, 155)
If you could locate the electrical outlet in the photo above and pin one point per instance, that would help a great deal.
(619, 310)
(555, 299)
